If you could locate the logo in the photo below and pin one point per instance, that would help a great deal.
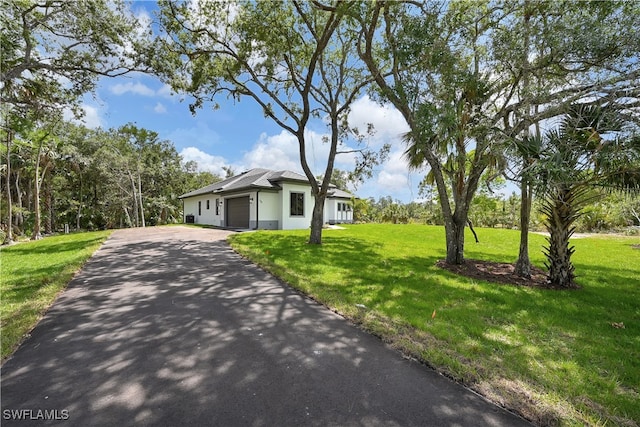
(35, 414)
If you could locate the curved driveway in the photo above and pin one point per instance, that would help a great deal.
(167, 326)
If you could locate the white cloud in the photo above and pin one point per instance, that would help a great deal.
(396, 162)
(282, 152)
(136, 88)
(388, 123)
(91, 117)
(393, 182)
(165, 91)
(277, 152)
(159, 108)
(206, 162)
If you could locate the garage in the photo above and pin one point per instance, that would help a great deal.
(237, 213)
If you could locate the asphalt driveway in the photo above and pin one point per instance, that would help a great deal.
(167, 326)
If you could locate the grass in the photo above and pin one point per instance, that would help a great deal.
(31, 276)
(555, 357)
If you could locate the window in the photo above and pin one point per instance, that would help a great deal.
(339, 206)
(297, 204)
(207, 204)
(199, 207)
(217, 206)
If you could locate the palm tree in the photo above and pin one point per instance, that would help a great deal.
(591, 150)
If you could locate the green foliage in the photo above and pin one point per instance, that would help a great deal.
(609, 211)
(558, 357)
(95, 179)
(479, 74)
(53, 53)
(33, 273)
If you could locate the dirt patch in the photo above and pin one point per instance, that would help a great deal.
(635, 246)
(499, 272)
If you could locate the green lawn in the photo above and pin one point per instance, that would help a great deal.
(554, 356)
(31, 276)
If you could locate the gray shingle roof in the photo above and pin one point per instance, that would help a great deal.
(339, 194)
(253, 178)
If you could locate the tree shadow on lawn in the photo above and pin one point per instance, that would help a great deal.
(525, 327)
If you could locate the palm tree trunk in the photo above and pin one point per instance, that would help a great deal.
(562, 208)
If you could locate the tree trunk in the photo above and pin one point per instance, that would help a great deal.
(523, 264)
(19, 216)
(48, 204)
(561, 210)
(36, 235)
(140, 203)
(126, 213)
(135, 200)
(9, 237)
(317, 220)
(79, 213)
(36, 196)
(454, 229)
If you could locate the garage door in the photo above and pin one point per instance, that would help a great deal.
(238, 212)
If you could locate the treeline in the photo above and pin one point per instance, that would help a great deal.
(85, 179)
(612, 212)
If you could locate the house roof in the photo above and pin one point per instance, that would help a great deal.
(257, 179)
(339, 194)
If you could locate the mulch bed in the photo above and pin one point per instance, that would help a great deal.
(499, 272)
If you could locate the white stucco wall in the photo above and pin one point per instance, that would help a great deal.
(290, 222)
(204, 215)
(333, 215)
(269, 210)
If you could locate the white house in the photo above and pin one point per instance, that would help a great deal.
(263, 199)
